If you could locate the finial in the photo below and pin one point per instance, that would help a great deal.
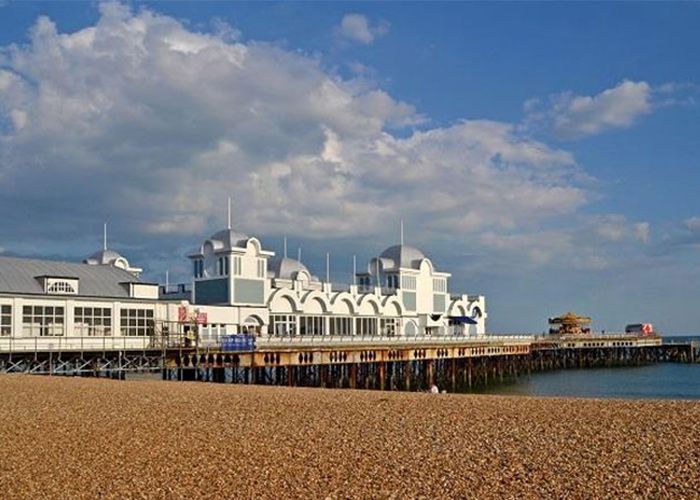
(299, 254)
(328, 267)
(401, 232)
(104, 237)
(285, 247)
(229, 213)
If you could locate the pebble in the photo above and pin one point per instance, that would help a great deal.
(91, 438)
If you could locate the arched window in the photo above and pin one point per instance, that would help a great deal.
(61, 287)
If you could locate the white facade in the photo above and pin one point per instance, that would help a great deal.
(239, 288)
(400, 294)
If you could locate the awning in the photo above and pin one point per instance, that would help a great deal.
(463, 319)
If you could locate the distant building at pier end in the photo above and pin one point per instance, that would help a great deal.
(237, 287)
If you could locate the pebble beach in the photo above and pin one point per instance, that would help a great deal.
(90, 438)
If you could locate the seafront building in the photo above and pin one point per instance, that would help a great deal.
(237, 287)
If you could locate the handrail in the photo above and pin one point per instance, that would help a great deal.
(157, 342)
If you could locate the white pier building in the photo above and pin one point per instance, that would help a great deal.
(237, 287)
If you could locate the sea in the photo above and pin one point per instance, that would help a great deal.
(658, 381)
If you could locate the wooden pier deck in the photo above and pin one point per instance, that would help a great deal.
(457, 364)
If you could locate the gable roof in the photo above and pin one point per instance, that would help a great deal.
(19, 275)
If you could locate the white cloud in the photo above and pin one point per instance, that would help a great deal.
(143, 121)
(586, 243)
(642, 232)
(357, 28)
(616, 228)
(573, 116)
(693, 223)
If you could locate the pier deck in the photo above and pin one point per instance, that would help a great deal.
(455, 362)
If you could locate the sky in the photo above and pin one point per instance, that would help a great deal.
(546, 154)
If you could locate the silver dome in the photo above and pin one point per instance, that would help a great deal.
(230, 239)
(286, 268)
(103, 258)
(401, 256)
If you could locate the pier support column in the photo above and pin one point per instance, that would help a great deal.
(469, 374)
(353, 376)
(407, 368)
(382, 375)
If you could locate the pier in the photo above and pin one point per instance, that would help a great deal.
(452, 363)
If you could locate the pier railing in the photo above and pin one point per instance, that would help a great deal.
(335, 340)
(61, 344)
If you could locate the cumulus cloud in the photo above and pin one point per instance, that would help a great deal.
(140, 120)
(571, 116)
(357, 28)
(586, 243)
(693, 223)
(616, 228)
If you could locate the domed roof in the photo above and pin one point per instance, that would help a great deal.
(401, 256)
(230, 238)
(286, 268)
(104, 257)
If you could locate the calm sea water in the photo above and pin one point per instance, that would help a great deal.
(659, 381)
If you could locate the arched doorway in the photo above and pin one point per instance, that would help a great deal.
(252, 325)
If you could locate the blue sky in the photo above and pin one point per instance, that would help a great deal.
(545, 154)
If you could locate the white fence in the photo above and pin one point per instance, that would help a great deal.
(375, 340)
(59, 344)
(118, 343)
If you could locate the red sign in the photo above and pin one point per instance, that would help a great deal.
(201, 318)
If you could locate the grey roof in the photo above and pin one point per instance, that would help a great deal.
(401, 256)
(18, 275)
(286, 268)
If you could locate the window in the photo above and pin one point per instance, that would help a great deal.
(92, 321)
(61, 287)
(365, 326)
(5, 320)
(341, 325)
(198, 268)
(42, 321)
(392, 281)
(237, 266)
(409, 282)
(312, 325)
(439, 285)
(222, 266)
(136, 322)
(389, 326)
(261, 268)
(283, 325)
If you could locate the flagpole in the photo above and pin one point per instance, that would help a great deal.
(354, 269)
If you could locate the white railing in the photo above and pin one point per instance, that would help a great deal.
(59, 344)
(326, 340)
(119, 343)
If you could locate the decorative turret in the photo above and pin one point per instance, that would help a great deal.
(107, 257)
